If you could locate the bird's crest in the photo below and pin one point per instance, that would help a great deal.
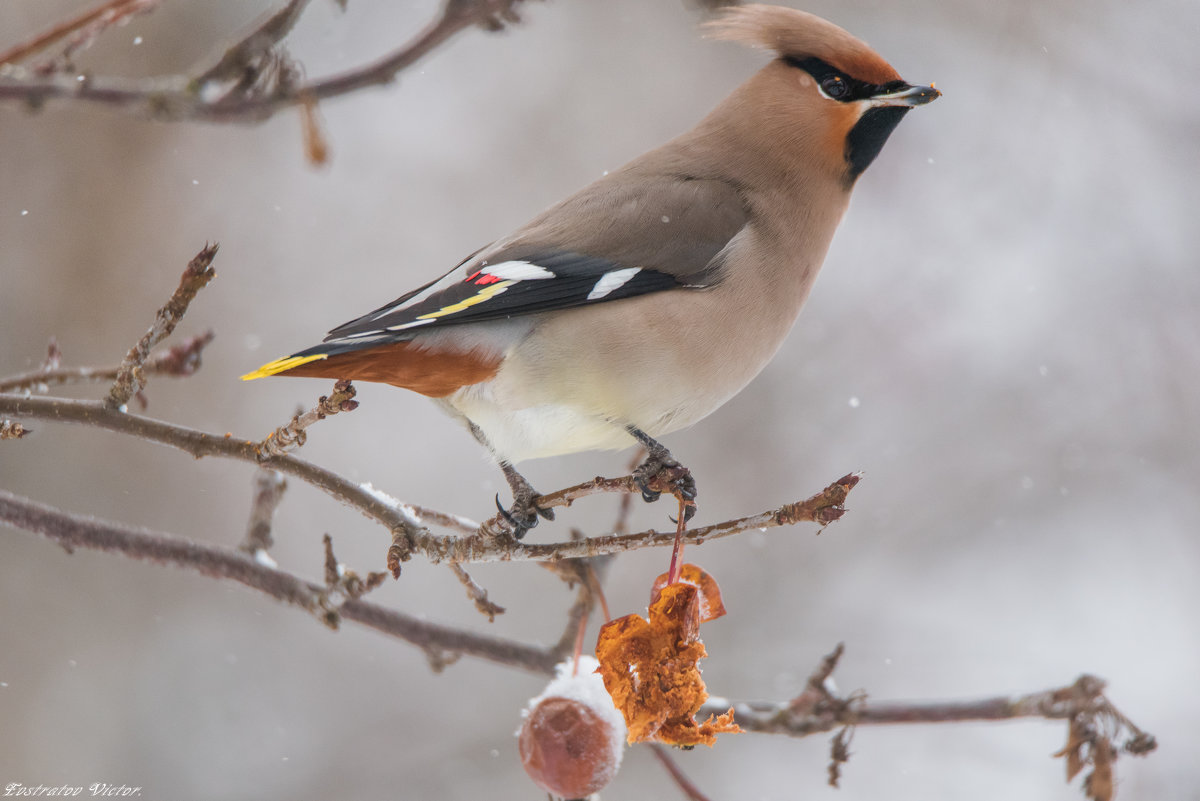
(799, 35)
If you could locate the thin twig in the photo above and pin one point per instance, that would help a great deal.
(1060, 703)
(113, 9)
(404, 518)
(625, 504)
(86, 36)
(587, 574)
(677, 775)
(269, 486)
(1094, 722)
(817, 697)
(282, 439)
(822, 508)
(580, 610)
(200, 444)
(178, 97)
(76, 531)
(54, 355)
(343, 584)
(477, 594)
(177, 361)
(130, 376)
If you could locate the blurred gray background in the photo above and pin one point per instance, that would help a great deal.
(1006, 341)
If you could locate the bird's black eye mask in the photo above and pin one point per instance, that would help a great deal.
(838, 85)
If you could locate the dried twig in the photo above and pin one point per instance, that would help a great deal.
(839, 754)
(1095, 725)
(394, 517)
(177, 361)
(477, 594)
(130, 376)
(269, 486)
(405, 520)
(822, 508)
(817, 710)
(342, 584)
(90, 22)
(180, 97)
(685, 784)
(54, 355)
(1098, 731)
(76, 531)
(282, 439)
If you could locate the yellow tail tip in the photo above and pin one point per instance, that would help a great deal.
(283, 365)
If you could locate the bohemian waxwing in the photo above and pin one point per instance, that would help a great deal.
(647, 300)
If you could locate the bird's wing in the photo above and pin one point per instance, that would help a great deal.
(597, 246)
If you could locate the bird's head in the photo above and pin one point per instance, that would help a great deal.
(833, 98)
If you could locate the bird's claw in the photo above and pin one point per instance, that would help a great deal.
(659, 474)
(524, 514)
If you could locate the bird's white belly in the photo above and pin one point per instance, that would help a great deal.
(555, 428)
(543, 430)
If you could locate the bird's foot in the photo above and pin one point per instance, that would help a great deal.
(662, 473)
(524, 514)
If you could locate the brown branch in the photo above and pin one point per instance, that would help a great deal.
(477, 594)
(177, 361)
(86, 36)
(200, 444)
(404, 519)
(269, 486)
(1098, 731)
(667, 760)
(282, 439)
(1082, 703)
(104, 15)
(1061, 703)
(817, 709)
(587, 573)
(130, 376)
(76, 531)
(822, 508)
(178, 97)
(343, 584)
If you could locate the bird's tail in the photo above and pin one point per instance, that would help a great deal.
(431, 372)
(318, 353)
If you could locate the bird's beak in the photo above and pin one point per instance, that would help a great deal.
(907, 96)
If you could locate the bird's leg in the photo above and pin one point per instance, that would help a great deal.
(523, 515)
(662, 473)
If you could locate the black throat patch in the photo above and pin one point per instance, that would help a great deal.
(866, 138)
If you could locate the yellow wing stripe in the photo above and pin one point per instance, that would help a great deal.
(282, 365)
(479, 297)
(291, 362)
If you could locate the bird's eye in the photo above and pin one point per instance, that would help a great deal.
(835, 87)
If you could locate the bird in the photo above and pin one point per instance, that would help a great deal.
(645, 301)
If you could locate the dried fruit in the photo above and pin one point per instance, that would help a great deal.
(650, 666)
(711, 607)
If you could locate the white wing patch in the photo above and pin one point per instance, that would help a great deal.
(402, 326)
(517, 271)
(612, 281)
